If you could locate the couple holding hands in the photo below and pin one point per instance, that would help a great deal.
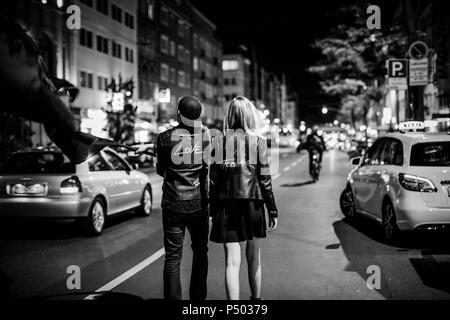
(233, 192)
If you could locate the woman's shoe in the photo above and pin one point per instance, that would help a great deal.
(255, 299)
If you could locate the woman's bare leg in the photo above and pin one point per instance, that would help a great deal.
(253, 254)
(233, 263)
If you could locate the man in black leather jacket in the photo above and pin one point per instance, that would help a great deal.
(185, 197)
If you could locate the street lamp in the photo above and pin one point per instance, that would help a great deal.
(324, 110)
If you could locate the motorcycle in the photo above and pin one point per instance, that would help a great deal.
(315, 165)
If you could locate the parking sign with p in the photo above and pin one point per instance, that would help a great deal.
(397, 74)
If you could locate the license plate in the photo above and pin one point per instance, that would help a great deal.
(27, 189)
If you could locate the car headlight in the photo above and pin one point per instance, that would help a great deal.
(415, 183)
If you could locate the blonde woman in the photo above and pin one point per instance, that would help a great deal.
(240, 187)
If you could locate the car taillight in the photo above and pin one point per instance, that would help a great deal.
(415, 183)
(71, 185)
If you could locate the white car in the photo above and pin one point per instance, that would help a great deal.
(403, 182)
(42, 183)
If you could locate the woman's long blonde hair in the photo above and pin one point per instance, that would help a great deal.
(242, 114)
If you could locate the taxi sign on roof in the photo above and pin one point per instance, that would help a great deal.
(411, 125)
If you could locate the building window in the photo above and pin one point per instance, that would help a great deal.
(103, 6)
(102, 83)
(233, 81)
(187, 55)
(195, 42)
(173, 21)
(116, 50)
(164, 76)
(226, 81)
(129, 55)
(129, 20)
(116, 13)
(86, 80)
(180, 52)
(102, 44)
(173, 75)
(196, 85)
(173, 49)
(89, 3)
(180, 28)
(181, 79)
(164, 16)
(187, 80)
(228, 65)
(150, 10)
(195, 63)
(164, 44)
(86, 38)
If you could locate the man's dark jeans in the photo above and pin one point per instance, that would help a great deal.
(174, 225)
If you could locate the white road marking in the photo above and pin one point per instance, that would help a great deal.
(276, 176)
(287, 168)
(128, 274)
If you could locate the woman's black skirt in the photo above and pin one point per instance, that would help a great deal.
(238, 220)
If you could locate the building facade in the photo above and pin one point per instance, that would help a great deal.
(102, 52)
(206, 67)
(175, 56)
(236, 75)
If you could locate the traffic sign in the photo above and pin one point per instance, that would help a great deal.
(418, 72)
(397, 74)
(418, 50)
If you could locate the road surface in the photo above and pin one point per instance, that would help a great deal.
(314, 254)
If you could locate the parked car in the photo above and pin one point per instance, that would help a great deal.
(403, 182)
(43, 183)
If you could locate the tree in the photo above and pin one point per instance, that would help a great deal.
(354, 61)
(121, 112)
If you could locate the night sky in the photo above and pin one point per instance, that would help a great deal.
(282, 32)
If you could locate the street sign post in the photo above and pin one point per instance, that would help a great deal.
(418, 76)
(418, 50)
(398, 74)
(418, 72)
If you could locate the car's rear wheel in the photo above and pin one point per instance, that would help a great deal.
(145, 209)
(389, 223)
(95, 221)
(347, 203)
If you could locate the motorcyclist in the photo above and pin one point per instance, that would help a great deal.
(314, 141)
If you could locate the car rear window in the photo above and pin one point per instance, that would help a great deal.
(432, 154)
(38, 162)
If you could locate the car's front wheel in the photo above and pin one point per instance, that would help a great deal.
(95, 221)
(347, 203)
(145, 209)
(389, 223)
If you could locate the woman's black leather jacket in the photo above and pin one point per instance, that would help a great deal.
(240, 170)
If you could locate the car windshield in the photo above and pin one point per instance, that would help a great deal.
(432, 154)
(38, 162)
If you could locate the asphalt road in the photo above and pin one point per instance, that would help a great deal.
(314, 253)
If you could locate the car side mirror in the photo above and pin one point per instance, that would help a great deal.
(356, 161)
